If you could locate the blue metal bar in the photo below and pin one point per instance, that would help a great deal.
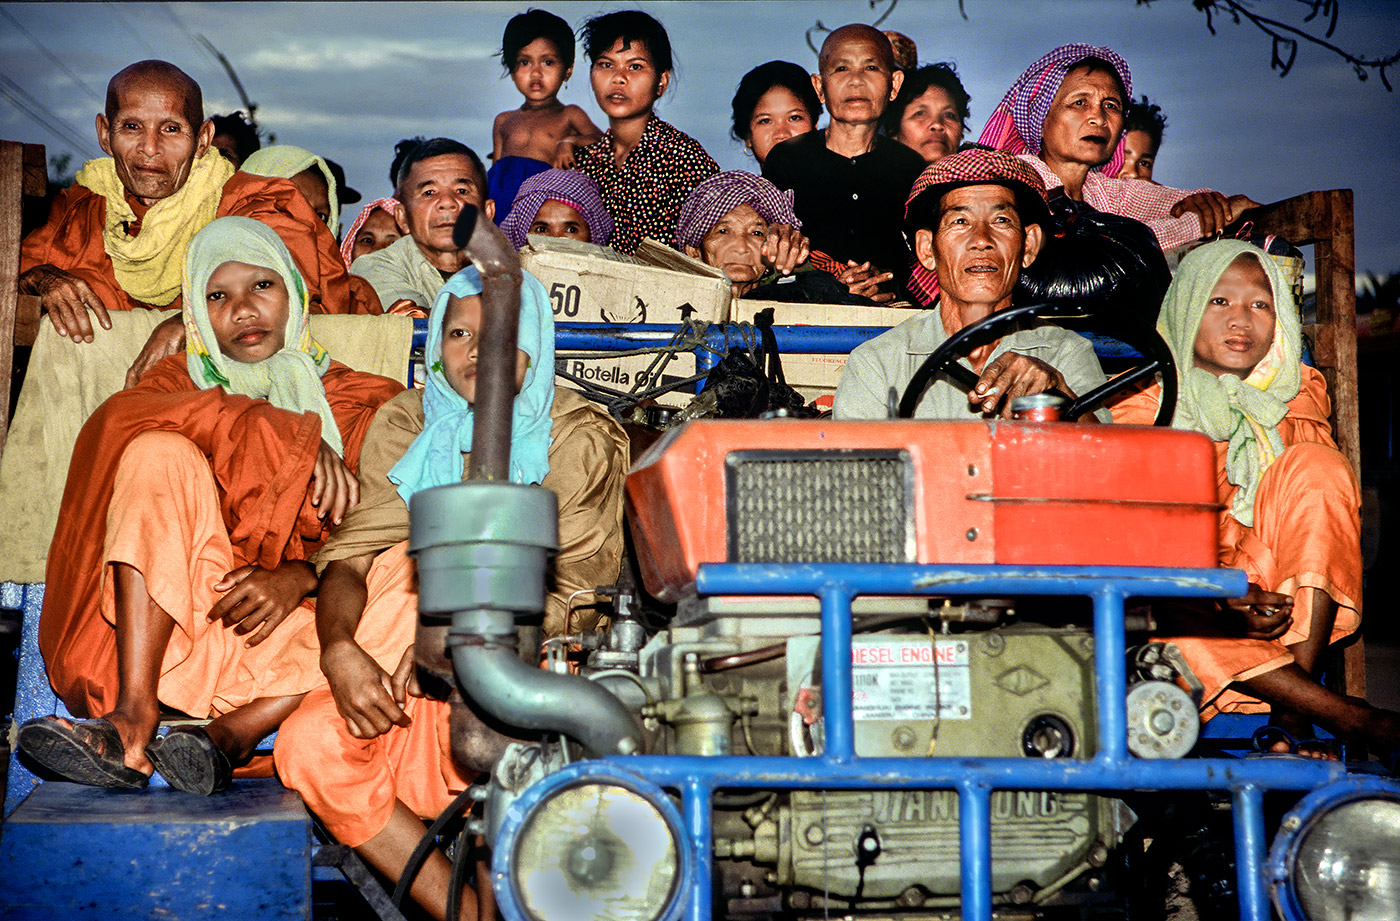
(1249, 852)
(991, 579)
(1110, 678)
(836, 674)
(826, 773)
(975, 845)
(695, 809)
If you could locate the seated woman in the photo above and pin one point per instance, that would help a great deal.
(558, 203)
(372, 231)
(744, 226)
(368, 756)
(977, 217)
(930, 113)
(177, 575)
(1291, 500)
(774, 102)
(1064, 116)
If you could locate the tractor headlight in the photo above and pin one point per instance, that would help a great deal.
(1337, 855)
(605, 847)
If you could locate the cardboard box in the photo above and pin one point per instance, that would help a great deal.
(594, 284)
(816, 376)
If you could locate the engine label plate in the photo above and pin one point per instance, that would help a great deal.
(907, 679)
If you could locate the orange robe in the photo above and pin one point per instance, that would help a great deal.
(72, 241)
(1306, 538)
(261, 458)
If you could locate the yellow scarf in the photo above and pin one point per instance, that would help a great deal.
(149, 266)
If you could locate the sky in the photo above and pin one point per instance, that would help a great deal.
(348, 80)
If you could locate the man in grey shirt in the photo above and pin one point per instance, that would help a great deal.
(977, 218)
(435, 180)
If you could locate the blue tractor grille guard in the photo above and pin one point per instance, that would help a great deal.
(1111, 770)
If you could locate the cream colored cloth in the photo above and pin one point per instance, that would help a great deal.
(284, 161)
(149, 265)
(65, 383)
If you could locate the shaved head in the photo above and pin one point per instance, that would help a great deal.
(861, 32)
(157, 74)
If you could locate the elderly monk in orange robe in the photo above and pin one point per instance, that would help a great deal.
(369, 754)
(177, 572)
(116, 240)
(1291, 500)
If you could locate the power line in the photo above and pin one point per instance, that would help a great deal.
(41, 114)
(114, 10)
(52, 57)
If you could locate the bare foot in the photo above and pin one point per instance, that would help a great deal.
(136, 731)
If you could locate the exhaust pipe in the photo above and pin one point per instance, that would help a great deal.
(483, 546)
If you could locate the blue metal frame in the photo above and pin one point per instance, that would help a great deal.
(718, 337)
(1299, 822)
(1111, 770)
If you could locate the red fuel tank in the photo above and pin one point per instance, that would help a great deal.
(817, 491)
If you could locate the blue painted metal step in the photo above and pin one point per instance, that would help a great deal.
(84, 854)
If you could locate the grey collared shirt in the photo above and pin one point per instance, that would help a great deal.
(890, 360)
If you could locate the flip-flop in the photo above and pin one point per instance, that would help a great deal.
(87, 752)
(190, 761)
(1266, 737)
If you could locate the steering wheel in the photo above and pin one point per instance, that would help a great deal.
(1146, 339)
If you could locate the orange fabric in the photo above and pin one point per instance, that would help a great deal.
(1306, 538)
(350, 783)
(262, 459)
(164, 521)
(72, 241)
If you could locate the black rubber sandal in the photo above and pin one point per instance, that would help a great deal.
(190, 761)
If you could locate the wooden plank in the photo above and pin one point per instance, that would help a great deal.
(36, 172)
(11, 217)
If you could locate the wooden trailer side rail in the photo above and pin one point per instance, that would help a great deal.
(22, 175)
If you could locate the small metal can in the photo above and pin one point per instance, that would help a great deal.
(1038, 407)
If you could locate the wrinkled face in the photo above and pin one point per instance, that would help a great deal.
(461, 326)
(856, 82)
(152, 141)
(931, 125)
(377, 232)
(433, 194)
(317, 193)
(777, 116)
(248, 310)
(1085, 118)
(1237, 328)
(979, 246)
(1139, 156)
(734, 244)
(625, 81)
(556, 219)
(539, 71)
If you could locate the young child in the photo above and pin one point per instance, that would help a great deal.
(177, 575)
(1290, 498)
(644, 167)
(1143, 128)
(559, 203)
(537, 50)
(369, 754)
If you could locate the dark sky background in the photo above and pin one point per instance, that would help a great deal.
(347, 80)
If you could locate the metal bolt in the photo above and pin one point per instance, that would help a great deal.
(1162, 722)
(1098, 855)
(912, 897)
(971, 533)
(747, 890)
(813, 834)
(1291, 823)
(1021, 894)
(903, 738)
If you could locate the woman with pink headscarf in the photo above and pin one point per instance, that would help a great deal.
(373, 230)
(1064, 116)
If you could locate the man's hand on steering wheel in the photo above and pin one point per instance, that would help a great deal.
(1010, 376)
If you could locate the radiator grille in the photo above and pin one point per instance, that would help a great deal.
(820, 507)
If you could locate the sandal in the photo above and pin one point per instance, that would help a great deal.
(87, 752)
(189, 760)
